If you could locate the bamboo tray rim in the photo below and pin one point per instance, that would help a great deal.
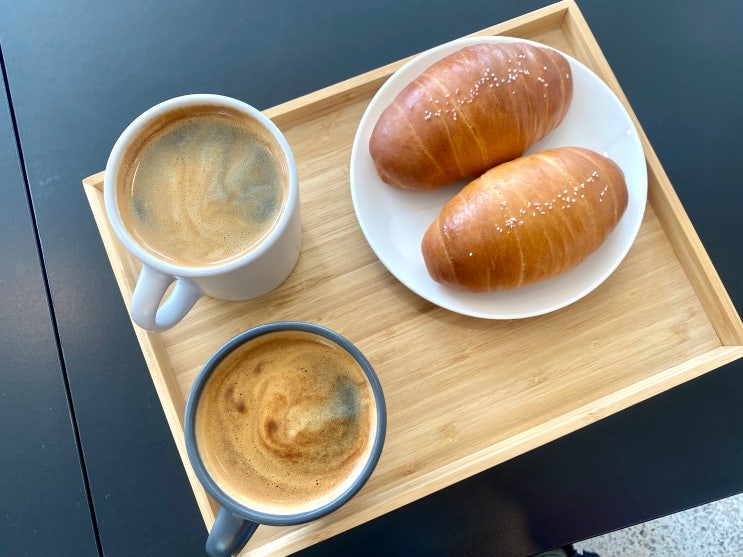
(565, 17)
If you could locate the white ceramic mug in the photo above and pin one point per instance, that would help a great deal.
(253, 274)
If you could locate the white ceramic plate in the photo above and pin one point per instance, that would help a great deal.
(394, 221)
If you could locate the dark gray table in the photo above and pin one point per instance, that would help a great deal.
(41, 474)
(87, 462)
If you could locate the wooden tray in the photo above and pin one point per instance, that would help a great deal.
(463, 394)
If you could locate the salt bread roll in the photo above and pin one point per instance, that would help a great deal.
(478, 107)
(526, 220)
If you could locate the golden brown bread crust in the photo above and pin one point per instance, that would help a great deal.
(478, 107)
(526, 220)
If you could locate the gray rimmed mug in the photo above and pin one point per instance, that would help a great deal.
(236, 522)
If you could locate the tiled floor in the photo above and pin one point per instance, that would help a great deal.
(713, 530)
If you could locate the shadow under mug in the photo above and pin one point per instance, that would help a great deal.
(246, 277)
(235, 522)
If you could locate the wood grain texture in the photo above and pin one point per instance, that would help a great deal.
(463, 394)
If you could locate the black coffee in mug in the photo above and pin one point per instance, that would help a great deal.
(202, 185)
(285, 422)
(203, 190)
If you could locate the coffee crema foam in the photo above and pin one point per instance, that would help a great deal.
(286, 422)
(202, 186)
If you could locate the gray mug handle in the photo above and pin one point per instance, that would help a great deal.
(229, 534)
(149, 292)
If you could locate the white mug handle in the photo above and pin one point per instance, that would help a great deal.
(148, 293)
